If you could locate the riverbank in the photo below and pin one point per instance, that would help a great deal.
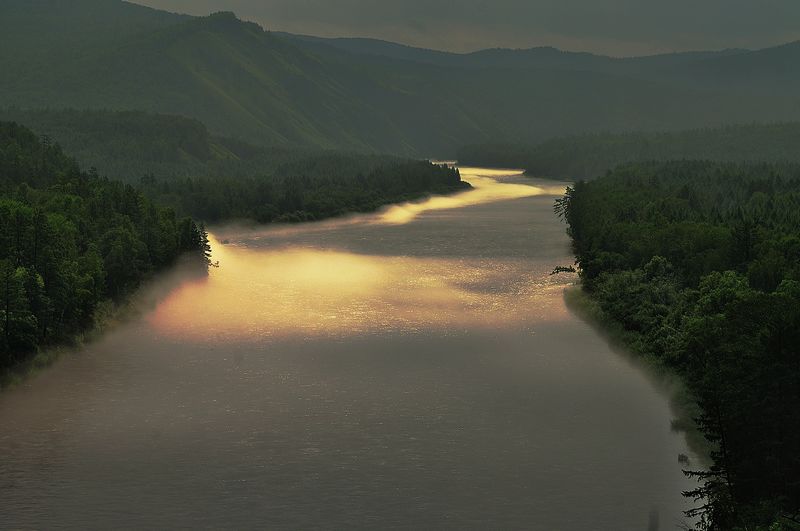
(108, 316)
(668, 381)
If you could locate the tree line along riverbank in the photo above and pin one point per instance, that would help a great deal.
(698, 264)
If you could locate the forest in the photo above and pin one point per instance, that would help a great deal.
(699, 264)
(72, 240)
(178, 163)
(588, 156)
(306, 190)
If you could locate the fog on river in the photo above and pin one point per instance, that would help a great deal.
(414, 368)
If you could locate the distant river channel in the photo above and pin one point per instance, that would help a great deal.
(416, 368)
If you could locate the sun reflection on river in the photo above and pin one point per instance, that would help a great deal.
(272, 293)
(261, 292)
(486, 188)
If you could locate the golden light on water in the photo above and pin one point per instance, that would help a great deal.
(258, 293)
(486, 189)
(309, 292)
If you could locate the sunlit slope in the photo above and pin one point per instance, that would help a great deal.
(39, 33)
(241, 82)
(270, 89)
(232, 75)
(130, 144)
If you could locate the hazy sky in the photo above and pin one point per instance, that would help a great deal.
(617, 27)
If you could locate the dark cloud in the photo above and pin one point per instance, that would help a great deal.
(617, 27)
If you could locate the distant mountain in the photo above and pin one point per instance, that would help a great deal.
(544, 57)
(277, 89)
(376, 48)
(777, 67)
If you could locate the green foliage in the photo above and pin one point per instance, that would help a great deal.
(69, 241)
(697, 262)
(590, 156)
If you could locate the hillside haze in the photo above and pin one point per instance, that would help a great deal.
(279, 89)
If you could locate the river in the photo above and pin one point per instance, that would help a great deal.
(412, 369)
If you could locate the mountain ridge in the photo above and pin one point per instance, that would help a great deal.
(384, 48)
(268, 88)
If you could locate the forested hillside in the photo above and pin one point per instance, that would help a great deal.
(128, 144)
(699, 264)
(131, 144)
(272, 89)
(591, 155)
(179, 164)
(69, 241)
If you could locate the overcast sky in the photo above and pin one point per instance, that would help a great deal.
(616, 27)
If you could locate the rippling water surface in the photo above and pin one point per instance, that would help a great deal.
(414, 368)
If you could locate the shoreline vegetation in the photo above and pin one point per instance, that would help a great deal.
(76, 246)
(71, 242)
(695, 266)
(108, 316)
(674, 386)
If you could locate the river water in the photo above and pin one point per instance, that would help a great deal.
(411, 369)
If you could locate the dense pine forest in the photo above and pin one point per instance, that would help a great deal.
(699, 264)
(318, 187)
(588, 156)
(71, 240)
